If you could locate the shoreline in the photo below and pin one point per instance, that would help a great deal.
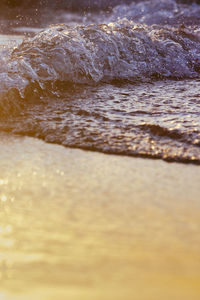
(84, 225)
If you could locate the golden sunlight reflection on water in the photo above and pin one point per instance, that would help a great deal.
(80, 225)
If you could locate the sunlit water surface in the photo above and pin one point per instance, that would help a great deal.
(81, 225)
(76, 225)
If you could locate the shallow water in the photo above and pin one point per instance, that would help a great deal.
(80, 225)
(132, 120)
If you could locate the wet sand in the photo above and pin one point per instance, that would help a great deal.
(79, 225)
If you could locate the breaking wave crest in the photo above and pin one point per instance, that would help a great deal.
(128, 84)
(123, 50)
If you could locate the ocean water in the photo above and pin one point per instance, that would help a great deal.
(123, 80)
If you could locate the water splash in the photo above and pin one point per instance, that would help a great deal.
(46, 83)
(91, 54)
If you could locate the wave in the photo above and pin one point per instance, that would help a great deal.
(122, 50)
(163, 12)
(71, 84)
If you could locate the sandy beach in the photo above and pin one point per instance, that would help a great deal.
(79, 225)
